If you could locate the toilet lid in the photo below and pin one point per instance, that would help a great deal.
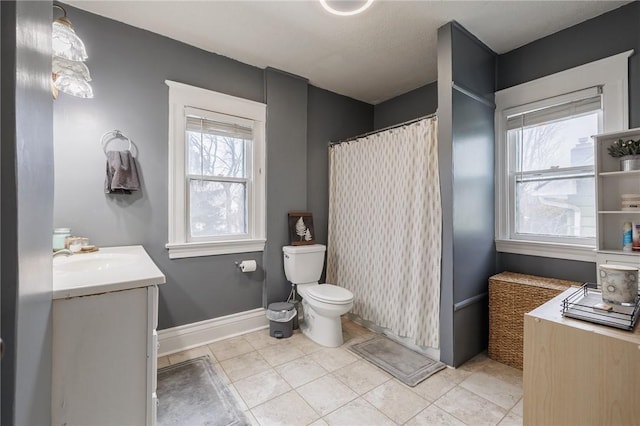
(330, 293)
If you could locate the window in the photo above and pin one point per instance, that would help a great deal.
(551, 170)
(545, 184)
(216, 173)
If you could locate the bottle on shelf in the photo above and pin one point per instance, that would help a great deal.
(627, 236)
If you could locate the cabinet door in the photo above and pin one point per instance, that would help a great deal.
(576, 374)
(100, 359)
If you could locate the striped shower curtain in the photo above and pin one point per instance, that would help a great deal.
(385, 228)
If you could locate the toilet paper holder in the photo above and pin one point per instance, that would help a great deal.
(246, 265)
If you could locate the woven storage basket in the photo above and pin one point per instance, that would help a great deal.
(511, 296)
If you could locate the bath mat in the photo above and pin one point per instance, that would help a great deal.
(408, 366)
(190, 393)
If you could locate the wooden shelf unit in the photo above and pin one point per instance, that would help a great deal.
(611, 183)
(577, 372)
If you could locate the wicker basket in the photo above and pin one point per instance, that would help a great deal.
(512, 295)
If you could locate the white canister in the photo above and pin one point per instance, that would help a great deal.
(59, 235)
(619, 284)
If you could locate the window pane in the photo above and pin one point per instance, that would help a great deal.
(556, 144)
(214, 155)
(217, 208)
(560, 207)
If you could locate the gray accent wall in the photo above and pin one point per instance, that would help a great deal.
(466, 81)
(331, 117)
(445, 160)
(129, 67)
(286, 97)
(605, 35)
(26, 210)
(130, 95)
(548, 267)
(408, 106)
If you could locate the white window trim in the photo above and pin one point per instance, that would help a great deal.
(181, 96)
(612, 74)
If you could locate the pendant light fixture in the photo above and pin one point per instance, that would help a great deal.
(353, 7)
(69, 72)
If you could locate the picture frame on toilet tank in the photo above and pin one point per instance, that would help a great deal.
(301, 231)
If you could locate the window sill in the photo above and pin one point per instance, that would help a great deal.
(553, 250)
(182, 250)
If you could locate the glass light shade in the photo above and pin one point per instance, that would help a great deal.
(345, 7)
(66, 43)
(63, 66)
(73, 85)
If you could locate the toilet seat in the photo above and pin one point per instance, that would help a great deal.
(329, 293)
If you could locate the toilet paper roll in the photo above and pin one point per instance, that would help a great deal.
(248, 265)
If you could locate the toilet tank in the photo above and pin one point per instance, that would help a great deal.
(303, 264)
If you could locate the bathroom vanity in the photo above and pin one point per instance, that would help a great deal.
(105, 314)
(577, 372)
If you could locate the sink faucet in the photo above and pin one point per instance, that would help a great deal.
(65, 252)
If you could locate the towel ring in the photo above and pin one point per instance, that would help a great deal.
(111, 135)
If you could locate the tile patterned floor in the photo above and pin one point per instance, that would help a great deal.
(297, 382)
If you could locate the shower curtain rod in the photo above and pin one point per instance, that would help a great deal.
(405, 123)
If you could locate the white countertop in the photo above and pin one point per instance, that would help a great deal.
(109, 269)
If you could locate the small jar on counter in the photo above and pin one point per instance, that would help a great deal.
(59, 236)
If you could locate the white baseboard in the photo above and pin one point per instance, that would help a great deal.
(189, 336)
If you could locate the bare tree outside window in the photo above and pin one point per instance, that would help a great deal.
(217, 170)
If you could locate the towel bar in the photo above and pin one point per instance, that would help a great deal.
(111, 135)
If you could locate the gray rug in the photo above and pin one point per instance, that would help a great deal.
(190, 393)
(408, 366)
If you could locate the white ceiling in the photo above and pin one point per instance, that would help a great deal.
(388, 50)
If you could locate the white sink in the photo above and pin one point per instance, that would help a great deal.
(110, 269)
(82, 263)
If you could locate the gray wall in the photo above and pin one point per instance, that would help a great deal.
(129, 67)
(548, 267)
(286, 97)
(466, 81)
(331, 117)
(26, 211)
(445, 161)
(597, 38)
(414, 104)
(130, 95)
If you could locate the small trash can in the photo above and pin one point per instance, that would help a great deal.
(280, 316)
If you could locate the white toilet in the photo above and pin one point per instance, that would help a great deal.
(322, 304)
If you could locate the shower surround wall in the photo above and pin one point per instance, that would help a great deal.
(466, 84)
(130, 95)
